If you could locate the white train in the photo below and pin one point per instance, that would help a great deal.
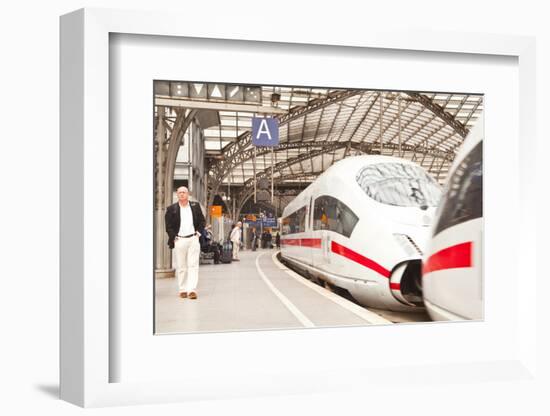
(452, 269)
(362, 226)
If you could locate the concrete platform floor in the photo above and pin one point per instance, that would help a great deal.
(256, 293)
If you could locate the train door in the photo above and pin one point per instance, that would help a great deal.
(320, 253)
(326, 247)
(322, 234)
(317, 235)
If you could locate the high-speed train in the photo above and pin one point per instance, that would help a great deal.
(452, 269)
(362, 226)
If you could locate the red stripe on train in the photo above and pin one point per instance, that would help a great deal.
(311, 242)
(395, 286)
(453, 257)
(341, 250)
(303, 242)
(290, 242)
(358, 258)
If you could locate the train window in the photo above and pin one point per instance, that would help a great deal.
(332, 214)
(462, 200)
(399, 184)
(295, 222)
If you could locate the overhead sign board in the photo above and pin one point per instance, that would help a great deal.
(265, 222)
(269, 222)
(265, 131)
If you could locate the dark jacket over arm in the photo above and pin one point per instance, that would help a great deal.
(198, 218)
(172, 220)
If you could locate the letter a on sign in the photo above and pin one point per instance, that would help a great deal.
(265, 131)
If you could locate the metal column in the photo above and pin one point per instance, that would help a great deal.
(163, 266)
(399, 122)
(380, 135)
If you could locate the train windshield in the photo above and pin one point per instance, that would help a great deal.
(399, 184)
(463, 193)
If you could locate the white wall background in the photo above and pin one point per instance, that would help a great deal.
(29, 102)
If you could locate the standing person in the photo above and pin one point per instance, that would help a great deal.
(262, 239)
(278, 240)
(235, 238)
(254, 239)
(185, 222)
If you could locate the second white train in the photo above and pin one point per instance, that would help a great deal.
(452, 279)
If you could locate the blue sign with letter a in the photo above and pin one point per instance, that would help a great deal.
(265, 131)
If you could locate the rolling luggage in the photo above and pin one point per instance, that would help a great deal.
(227, 252)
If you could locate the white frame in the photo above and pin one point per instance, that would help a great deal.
(84, 203)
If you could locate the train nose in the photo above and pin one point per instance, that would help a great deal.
(406, 282)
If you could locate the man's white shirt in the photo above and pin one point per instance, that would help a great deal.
(186, 220)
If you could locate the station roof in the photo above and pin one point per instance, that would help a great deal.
(319, 126)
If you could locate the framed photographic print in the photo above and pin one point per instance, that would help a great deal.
(302, 185)
(289, 213)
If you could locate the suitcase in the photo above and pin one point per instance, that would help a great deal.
(227, 252)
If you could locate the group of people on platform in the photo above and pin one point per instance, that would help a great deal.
(188, 236)
(266, 239)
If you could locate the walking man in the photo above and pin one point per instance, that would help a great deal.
(235, 238)
(185, 222)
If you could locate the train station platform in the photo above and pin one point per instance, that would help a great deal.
(258, 292)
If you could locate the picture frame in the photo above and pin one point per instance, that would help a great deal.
(87, 305)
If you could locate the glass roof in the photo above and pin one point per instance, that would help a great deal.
(427, 128)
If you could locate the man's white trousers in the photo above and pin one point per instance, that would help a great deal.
(187, 253)
(236, 248)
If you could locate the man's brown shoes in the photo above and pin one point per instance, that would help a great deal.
(190, 295)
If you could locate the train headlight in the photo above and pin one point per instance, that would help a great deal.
(408, 244)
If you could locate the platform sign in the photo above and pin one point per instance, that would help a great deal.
(265, 131)
(215, 211)
(269, 222)
(255, 224)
